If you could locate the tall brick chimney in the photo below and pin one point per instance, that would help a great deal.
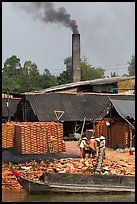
(76, 57)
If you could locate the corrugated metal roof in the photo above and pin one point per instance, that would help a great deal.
(99, 81)
(75, 106)
(125, 108)
(122, 97)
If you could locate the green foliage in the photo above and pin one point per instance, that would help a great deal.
(17, 78)
(131, 67)
(10, 73)
(26, 78)
(23, 78)
(66, 76)
(10, 84)
(34, 77)
(88, 72)
(47, 80)
(11, 67)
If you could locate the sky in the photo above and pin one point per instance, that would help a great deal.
(107, 35)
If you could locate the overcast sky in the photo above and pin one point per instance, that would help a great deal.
(107, 35)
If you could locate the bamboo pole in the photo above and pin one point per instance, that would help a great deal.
(130, 128)
(82, 128)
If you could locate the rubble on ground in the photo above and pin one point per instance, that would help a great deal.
(121, 166)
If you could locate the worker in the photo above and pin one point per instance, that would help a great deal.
(93, 146)
(98, 144)
(82, 147)
(101, 155)
(51, 145)
(87, 151)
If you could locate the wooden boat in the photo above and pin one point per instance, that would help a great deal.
(77, 183)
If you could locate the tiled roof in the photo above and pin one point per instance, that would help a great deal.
(12, 106)
(75, 106)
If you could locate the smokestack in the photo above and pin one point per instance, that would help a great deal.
(76, 57)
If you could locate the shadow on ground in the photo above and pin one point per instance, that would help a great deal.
(11, 155)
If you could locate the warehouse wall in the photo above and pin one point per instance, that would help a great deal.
(117, 134)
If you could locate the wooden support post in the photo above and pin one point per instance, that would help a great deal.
(130, 130)
(82, 128)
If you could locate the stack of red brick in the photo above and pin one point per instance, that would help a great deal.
(8, 134)
(120, 134)
(116, 135)
(37, 137)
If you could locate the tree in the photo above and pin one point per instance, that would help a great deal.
(18, 78)
(88, 72)
(10, 74)
(24, 77)
(48, 80)
(66, 76)
(131, 67)
(34, 77)
(11, 67)
(9, 84)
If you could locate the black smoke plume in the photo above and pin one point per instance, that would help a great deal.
(46, 12)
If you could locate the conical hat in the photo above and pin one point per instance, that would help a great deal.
(84, 138)
(92, 137)
(102, 137)
(106, 168)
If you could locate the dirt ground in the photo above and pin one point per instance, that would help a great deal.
(72, 151)
(113, 155)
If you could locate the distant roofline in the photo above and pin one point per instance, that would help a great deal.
(80, 93)
(98, 81)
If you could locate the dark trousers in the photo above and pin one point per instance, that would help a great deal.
(92, 152)
(86, 151)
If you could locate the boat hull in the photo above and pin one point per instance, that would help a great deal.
(79, 183)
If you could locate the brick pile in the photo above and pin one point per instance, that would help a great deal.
(118, 136)
(102, 129)
(33, 137)
(120, 166)
(8, 134)
(39, 137)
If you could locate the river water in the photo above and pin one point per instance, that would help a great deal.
(23, 196)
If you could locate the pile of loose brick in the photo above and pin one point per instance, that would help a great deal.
(34, 137)
(122, 166)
